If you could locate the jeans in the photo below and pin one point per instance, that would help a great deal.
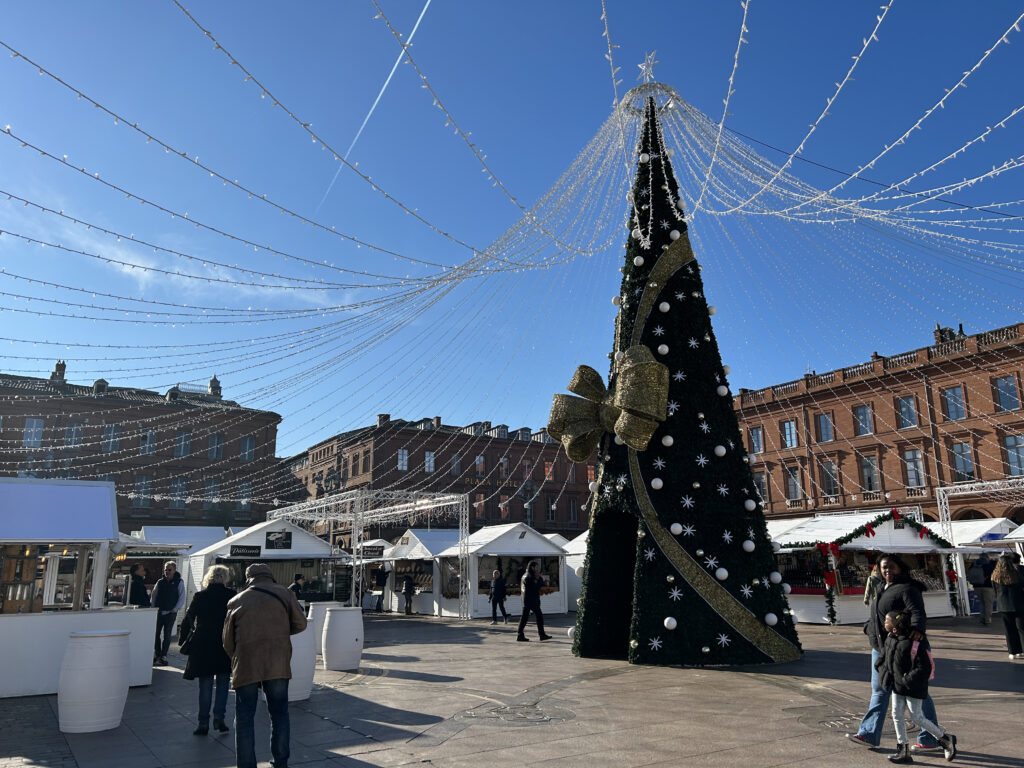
(280, 729)
(526, 615)
(986, 596)
(206, 695)
(1013, 624)
(164, 622)
(496, 603)
(899, 703)
(871, 725)
(408, 604)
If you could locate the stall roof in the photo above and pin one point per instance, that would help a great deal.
(990, 529)
(509, 539)
(1016, 535)
(34, 510)
(888, 537)
(778, 527)
(558, 538)
(195, 536)
(303, 544)
(424, 544)
(578, 546)
(136, 545)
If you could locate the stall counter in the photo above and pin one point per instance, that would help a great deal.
(32, 646)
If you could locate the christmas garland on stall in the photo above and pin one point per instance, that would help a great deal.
(868, 530)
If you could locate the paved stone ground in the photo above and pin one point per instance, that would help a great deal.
(455, 694)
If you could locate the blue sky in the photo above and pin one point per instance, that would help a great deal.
(531, 82)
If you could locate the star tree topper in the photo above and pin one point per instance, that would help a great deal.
(647, 68)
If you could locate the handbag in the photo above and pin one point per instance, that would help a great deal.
(185, 645)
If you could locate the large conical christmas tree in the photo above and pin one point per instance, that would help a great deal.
(679, 568)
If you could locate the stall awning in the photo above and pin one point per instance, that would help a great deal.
(48, 511)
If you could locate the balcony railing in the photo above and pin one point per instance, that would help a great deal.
(947, 348)
(830, 501)
(794, 503)
(900, 361)
(872, 495)
(856, 371)
(916, 493)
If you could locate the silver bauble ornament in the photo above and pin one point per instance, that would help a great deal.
(634, 644)
(719, 450)
(675, 529)
(748, 546)
(644, 157)
(700, 553)
(667, 441)
(664, 307)
(721, 574)
(593, 486)
(657, 484)
(775, 577)
(670, 623)
(638, 261)
(771, 619)
(674, 234)
(663, 349)
(722, 390)
(705, 649)
(750, 505)
(670, 579)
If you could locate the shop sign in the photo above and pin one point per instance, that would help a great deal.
(244, 550)
(375, 551)
(279, 540)
(305, 564)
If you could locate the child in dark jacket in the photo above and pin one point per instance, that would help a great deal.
(904, 668)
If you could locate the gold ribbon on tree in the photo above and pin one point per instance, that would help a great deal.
(631, 408)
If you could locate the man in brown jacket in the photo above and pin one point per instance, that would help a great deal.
(257, 637)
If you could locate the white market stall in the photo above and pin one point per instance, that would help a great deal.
(972, 538)
(834, 553)
(190, 538)
(507, 548)
(285, 547)
(56, 538)
(416, 554)
(575, 555)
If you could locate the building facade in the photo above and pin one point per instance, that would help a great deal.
(186, 457)
(893, 430)
(510, 475)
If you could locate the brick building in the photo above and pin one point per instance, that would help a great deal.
(187, 456)
(892, 430)
(500, 469)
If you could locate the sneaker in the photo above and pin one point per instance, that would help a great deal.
(545, 637)
(496, 621)
(856, 738)
(202, 730)
(948, 743)
(506, 621)
(1013, 655)
(163, 661)
(523, 639)
(925, 748)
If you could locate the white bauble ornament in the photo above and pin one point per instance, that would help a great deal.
(786, 589)
(638, 261)
(722, 390)
(636, 233)
(629, 195)
(721, 574)
(726, 369)
(675, 529)
(775, 577)
(667, 441)
(674, 234)
(719, 450)
(711, 310)
(617, 300)
(618, 440)
(664, 307)
(644, 157)
(663, 349)
(670, 623)
(750, 505)
(579, 571)
(571, 632)
(771, 619)
(593, 487)
(619, 355)
(751, 457)
(776, 546)
(657, 484)
(748, 546)
(670, 152)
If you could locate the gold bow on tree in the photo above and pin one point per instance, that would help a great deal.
(631, 408)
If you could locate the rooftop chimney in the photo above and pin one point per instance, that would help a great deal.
(214, 386)
(437, 422)
(383, 418)
(58, 371)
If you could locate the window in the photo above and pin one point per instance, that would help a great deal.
(869, 473)
(147, 442)
(355, 464)
(248, 451)
(953, 403)
(552, 509)
(793, 490)
(1014, 455)
(212, 495)
(829, 478)
(963, 463)
(756, 439)
(178, 493)
(73, 435)
(527, 469)
(906, 412)
(914, 466)
(366, 462)
(503, 509)
(111, 437)
(1006, 394)
(761, 486)
(549, 470)
(481, 466)
(825, 431)
(574, 513)
(428, 461)
(479, 507)
(244, 501)
(182, 444)
(862, 420)
(143, 491)
(591, 473)
(503, 467)
(403, 459)
(456, 464)
(788, 433)
(216, 448)
(570, 475)
(33, 435)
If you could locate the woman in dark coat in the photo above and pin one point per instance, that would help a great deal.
(497, 595)
(207, 661)
(1009, 584)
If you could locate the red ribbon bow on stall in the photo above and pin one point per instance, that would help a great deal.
(830, 578)
(922, 532)
(822, 548)
(896, 514)
(834, 548)
(951, 575)
(869, 530)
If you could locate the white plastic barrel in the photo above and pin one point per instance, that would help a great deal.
(317, 614)
(93, 683)
(343, 638)
(303, 665)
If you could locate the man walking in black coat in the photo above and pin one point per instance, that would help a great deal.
(497, 597)
(168, 597)
(136, 594)
(530, 589)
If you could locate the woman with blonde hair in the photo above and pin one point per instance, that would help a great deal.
(200, 639)
(1009, 583)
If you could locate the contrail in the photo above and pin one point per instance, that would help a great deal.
(375, 103)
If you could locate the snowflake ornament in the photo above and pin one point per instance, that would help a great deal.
(679, 376)
(649, 554)
(718, 379)
(746, 591)
(693, 343)
(750, 533)
(711, 561)
(655, 643)
(664, 224)
(723, 490)
(644, 192)
(621, 480)
(658, 331)
(724, 640)
(705, 427)
(680, 296)
(672, 406)
(689, 530)
(675, 593)
(701, 460)
(659, 463)
(727, 537)
(687, 502)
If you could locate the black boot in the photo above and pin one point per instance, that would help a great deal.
(523, 639)
(220, 725)
(948, 744)
(202, 730)
(902, 754)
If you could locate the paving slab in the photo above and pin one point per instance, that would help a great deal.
(457, 694)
